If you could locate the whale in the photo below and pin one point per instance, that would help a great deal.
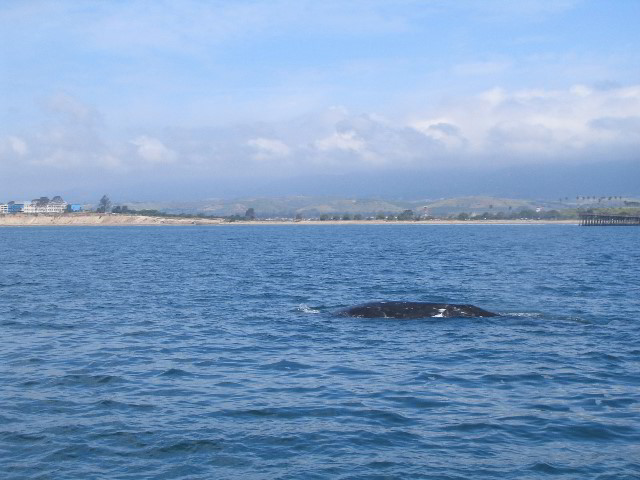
(410, 310)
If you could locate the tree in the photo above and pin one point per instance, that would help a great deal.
(357, 216)
(104, 205)
(250, 214)
(120, 209)
(324, 217)
(406, 215)
(527, 213)
(463, 216)
(346, 216)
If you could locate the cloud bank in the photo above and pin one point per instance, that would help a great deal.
(493, 128)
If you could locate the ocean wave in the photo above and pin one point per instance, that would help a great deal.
(200, 353)
(307, 309)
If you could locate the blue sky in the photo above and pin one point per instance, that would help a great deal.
(97, 95)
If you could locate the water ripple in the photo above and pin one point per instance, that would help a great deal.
(215, 353)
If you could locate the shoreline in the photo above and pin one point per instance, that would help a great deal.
(96, 220)
(90, 220)
(409, 222)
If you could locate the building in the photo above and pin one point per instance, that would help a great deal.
(41, 205)
(48, 208)
(31, 208)
(44, 205)
(56, 206)
(14, 207)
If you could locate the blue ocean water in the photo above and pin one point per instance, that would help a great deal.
(215, 352)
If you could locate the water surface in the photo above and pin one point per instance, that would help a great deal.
(215, 352)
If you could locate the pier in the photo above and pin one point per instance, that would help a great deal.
(597, 220)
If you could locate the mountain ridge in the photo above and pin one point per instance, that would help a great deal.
(309, 206)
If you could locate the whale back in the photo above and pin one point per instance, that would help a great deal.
(415, 310)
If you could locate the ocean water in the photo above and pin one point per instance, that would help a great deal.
(215, 352)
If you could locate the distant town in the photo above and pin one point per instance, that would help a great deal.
(41, 205)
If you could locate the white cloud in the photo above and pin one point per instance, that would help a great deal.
(538, 125)
(269, 148)
(576, 125)
(70, 159)
(581, 90)
(341, 141)
(72, 108)
(153, 150)
(444, 132)
(18, 146)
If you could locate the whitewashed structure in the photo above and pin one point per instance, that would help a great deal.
(48, 208)
(40, 205)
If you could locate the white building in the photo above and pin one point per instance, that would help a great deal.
(4, 208)
(57, 207)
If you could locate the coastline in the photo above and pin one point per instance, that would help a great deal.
(95, 219)
(409, 222)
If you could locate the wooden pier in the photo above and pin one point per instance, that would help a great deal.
(597, 220)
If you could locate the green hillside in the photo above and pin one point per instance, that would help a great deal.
(310, 207)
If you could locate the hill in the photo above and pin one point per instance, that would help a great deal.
(314, 206)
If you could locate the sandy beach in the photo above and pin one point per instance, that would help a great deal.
(95, 219)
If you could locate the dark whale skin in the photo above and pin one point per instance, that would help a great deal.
(415, 310)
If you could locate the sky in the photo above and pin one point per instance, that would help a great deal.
(190, 99)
